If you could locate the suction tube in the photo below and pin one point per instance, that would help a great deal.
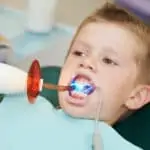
(97, 139)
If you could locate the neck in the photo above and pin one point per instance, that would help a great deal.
(118, 116)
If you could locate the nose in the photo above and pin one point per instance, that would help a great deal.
(89, 63)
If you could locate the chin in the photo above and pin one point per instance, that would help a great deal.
(72, 110)
(75, 111)
(77, 107)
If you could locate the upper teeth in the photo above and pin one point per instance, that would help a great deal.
(81, 86)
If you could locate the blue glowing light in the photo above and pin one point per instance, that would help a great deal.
(85, 88)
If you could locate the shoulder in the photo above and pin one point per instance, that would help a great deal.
(113, 140)
(15, 106)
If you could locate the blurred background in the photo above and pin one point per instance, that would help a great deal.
(67, 11)
(23, 21)
(51, 48)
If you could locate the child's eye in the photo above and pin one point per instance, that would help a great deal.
(109, 61)
(78, 53)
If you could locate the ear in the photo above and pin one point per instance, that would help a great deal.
(139, 97)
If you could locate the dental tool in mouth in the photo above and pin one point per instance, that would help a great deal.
(81, 86)
(14, 81)
(35, 84)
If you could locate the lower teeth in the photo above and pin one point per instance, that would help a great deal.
(77, 94)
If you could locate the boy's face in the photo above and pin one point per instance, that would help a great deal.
(105, 53)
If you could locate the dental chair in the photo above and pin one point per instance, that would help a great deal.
(135, 128)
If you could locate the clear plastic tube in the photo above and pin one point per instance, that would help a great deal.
(97, 139)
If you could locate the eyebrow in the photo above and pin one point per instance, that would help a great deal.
(106, 49)
(82, 43)
(109, 50)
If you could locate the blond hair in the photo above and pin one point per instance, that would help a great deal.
(112, 13)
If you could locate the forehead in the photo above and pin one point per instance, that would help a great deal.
(109, 35)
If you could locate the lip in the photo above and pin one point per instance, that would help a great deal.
(83, 75)
(75, 100)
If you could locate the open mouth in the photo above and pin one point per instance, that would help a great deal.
(81, 86)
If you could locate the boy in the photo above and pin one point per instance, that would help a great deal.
(109, 50)
(111, 47)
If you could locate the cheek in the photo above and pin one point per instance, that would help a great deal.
(117, 87)
(63, 79)
(66, 74)
(114, 97)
